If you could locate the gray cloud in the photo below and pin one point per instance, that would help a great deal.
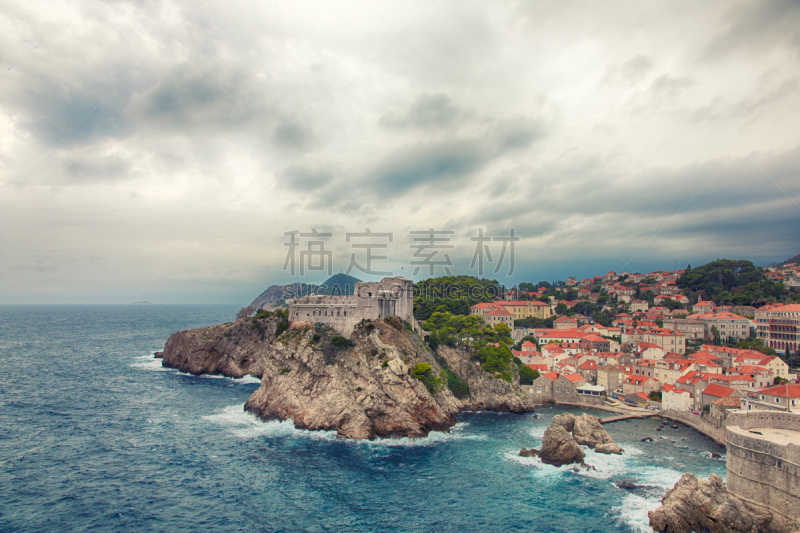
(253, 119)
(429, 111)
(629, 72)
(755, 26)
(434, 164)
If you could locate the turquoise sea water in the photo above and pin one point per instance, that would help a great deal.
(96, 435)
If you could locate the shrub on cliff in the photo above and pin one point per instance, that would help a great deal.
(496, 360)
(424, 373)
(456, 385)
(339, 342)
(282, 326)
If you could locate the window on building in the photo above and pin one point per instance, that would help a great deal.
(558, 389)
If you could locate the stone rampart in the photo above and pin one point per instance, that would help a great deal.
(764, 460)
(713, 431)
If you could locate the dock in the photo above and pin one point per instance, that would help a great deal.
(630, 416)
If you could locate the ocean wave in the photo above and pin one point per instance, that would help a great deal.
(633, 512)
(150, 362)
(247, 426)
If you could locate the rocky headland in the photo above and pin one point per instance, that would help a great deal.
(373, 384)
(561, 443)
(695, 504)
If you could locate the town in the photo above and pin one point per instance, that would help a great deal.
(662, 351)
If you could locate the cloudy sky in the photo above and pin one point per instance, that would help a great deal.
(162, 151)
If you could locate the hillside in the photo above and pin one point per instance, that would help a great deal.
(730, 282)
(338, 284)
(276, 295)
(456, 293)
(795, 260)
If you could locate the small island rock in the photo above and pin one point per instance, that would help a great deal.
(559, 448)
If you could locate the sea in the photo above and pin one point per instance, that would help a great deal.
(97, 436)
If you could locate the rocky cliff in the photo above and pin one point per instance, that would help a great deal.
(694, 504)
(320, 381)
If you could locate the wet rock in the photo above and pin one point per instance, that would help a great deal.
(565, 420)
(158, 355)
(533, 452)
(647, 439)
(715, 455)
(588, 430)
(694, 504)
(626, 484)
(608, 448)
(559, 448)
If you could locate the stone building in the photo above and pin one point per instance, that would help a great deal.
(371, 300)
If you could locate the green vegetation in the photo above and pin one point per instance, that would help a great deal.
(457, 386)
(532, 322)
(455, 293)
(284, 371)
(338, 342)
(526, 374)
(472, 332)
(755, 344)
(424, 373)
(655, 396)
(282, 326)
(496, 360)
(729, 282)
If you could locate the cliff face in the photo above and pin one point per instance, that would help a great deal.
(361, 391)
(694, 504)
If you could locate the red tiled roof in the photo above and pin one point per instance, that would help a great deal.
(552, 376)
(785, 390)
(574, 378)
(720, 391)
(589, 365)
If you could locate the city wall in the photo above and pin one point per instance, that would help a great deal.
(764, 460)
(700, 424)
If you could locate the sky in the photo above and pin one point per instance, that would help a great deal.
(187, 152)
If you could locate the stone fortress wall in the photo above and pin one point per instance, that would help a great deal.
(764, 460)
(372, 300)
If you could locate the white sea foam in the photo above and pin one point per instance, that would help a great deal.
(246, 426)
(248, 380)
(633, 512)
(149, 362)
(605, 465)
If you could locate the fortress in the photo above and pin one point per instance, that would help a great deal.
(764, 460)
(371, 300)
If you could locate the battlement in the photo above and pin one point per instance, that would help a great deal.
(372, 300)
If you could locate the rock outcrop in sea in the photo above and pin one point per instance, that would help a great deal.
(561, 441)
(695, 504)
(361, 389)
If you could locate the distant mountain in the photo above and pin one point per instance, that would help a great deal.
(338, 284)
(276, 295)
(795, 260)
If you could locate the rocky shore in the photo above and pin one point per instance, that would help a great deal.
(695, 504)
(561, 443)
(361, 389)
